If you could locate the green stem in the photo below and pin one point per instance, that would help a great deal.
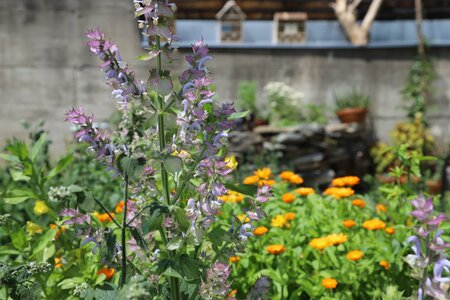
(174, 282)
(123, 277)
(108, 213)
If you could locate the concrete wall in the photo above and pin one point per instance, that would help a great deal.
(45, 68)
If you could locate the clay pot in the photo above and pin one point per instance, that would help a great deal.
(352, 115)
(259, 122)
(434, 186)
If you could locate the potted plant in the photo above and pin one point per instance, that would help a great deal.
(246, 95)
(352, 107)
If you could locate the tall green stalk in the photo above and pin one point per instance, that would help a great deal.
(174, 282)
(123, 277)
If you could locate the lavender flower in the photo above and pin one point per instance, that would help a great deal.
(216, 281)
(75, 217)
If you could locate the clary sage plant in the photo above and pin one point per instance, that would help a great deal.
(170, 150)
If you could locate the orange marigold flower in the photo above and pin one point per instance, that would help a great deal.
(289, 216)
(58, 232)
(296, 179)
(390, 230)
(329, 283)
(345, 181)
(232, 197)
(374, 224)
(337, 238)
(279, 221)
(320, 243)
(260, 230)
(380, 208)
(119, 207)
(235, 259)
(359, 203)
(385, 264)
(286, 175)
(276, 249)
(251, 179)
(349, 223)
(109, 272)
(269, 182)
(355, 255)
(264, 173)
(232, 294)
(288, 198)
(338, 192)
(304, 191)
(58, 262)
(105, 218)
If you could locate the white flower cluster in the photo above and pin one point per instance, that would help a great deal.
(59, 193)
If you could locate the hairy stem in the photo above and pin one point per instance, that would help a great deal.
(123, 277)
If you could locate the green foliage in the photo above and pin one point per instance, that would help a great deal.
(355, 99)
(246, 96)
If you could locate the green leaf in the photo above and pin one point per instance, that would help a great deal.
(17, 175)
(140, 241)
(10, 158)
(182, 220)
(148, 56)
(217, 235)
(238, 115)
(189, 267)
(175, 244)
(70, 283)
(156, 217)
(37, 147)
(245, 189)
(48, 252)
(44, 241)
(173, 164)
(62, 164)
(18, 239)
(18, 196)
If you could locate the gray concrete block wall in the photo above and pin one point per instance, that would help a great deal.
(45, 68)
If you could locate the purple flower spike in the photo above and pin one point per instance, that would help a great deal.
(416, 248)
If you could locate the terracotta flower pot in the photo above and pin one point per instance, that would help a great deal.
(352, 115)
(259, 122)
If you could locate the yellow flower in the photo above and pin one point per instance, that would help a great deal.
(33, 228)
(279, 221)
(345, 181)
(232, 197)
(289, 216)
(359, 203)
(329, 283)
(234, 259)
(374, 224)
(264, 173)
(304, 191)
(385, 264)
(260, 230)
(251, 179)
(241, 218)
(380, 208)
(390, 230)
(338, 192)
(288, 198)
(58, 262)
(320, 243)
(181, 154)
(276, 249)
(349, 223)
(337, 238)
(231, 162)
(355, 255)
(40, 208)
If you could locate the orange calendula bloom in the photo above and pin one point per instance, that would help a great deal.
(286, 175)
(251, 179)
(289, 216)
(390, 230)
(58, 232)
(337, 238)
(279, 221)
(385, 264)
(374, 224)
(359, 203)
(320, 243)
(109, 272)
(269, 182)
(339, 192)
(348, 223)
(119, 207)
(304, 191)
(329, 240)
(232, 197)
(296, 179)
(329, 283)
(276, 249)
(234, 259)
(58, 262)
(380, 208)
(355, 255)
(345, 181)
(260, 230)
(232, 294)
(264, 173)
(288, 198)
(104, 218)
